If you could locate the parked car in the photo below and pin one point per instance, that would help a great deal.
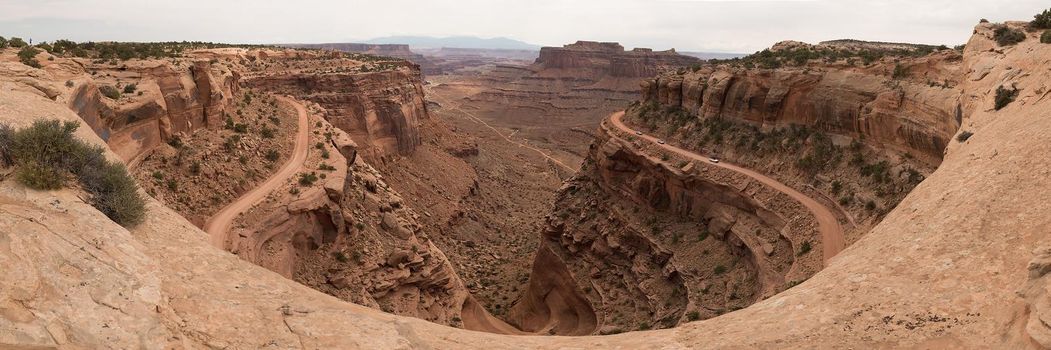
(660, 141)
(638, 133)
(713, 160)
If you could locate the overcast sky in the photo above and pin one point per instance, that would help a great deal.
(696, 25)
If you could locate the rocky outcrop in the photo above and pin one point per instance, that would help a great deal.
(918, 113)
(353, 237)
(381, 111)
(647, 244)
(169, 98)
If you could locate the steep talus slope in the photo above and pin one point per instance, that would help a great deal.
(940, 271)
(351, 236)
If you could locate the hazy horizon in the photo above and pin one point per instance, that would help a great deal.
(729, 26)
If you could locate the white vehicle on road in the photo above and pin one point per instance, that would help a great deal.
(713, 160)
(660, 141)
(638, 133)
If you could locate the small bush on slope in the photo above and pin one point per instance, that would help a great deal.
(1005, 96)
(1041, 20)
(1045, 38)
(110, 92)
(46, 154)
(27, 55)
(1005, 36)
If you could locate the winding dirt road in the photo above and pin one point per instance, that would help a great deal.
(218, 226)
(507, 138)
(832, 241)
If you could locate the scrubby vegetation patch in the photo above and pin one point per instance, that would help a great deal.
(46, 156)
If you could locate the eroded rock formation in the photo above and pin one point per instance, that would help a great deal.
(650, 245)
(352, 237)
(169, 97)
(380, 110)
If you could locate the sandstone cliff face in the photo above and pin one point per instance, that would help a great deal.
(917, 113)
(380, 110)
(647, 244)
(169, 98)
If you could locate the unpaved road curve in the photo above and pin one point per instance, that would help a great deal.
(498, 133)
(832, 241)
(218, 226)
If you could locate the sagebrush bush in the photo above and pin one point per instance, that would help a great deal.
(1045, 38)
(1004, 97)
(46, 154)
(110, 92)
(1041, 20)
(27, 56)
(16, 42)
(1005, 36)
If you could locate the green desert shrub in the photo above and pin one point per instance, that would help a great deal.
(1041, 20)
(17, 42)
(266, 132)
(307, 179)
(804, 248)
(130, 88)
(1005, 36)
(1004, 97)
(110, 92)
(900, 71)
(1045, 38)
(3, 42)
(964, 136)
(27, 56)
(46, 156)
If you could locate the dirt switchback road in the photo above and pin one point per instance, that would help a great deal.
(832, 241)
(218, 226)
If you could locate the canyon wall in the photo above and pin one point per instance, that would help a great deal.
(647, 244)
(380, 106)
(380, 110)
(917, 113)
(170, 97)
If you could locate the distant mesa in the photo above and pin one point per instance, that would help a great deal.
(613, 59)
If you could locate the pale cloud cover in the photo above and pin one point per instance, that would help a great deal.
(696, 25)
